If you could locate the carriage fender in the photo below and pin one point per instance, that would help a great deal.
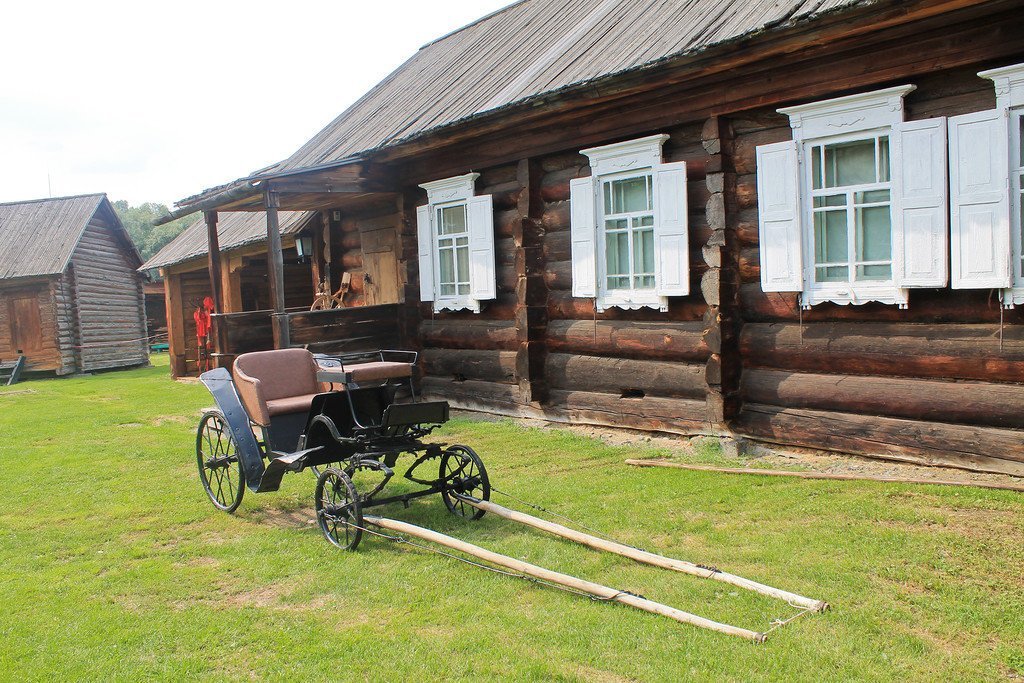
(220, 384)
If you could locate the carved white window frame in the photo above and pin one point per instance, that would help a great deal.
(455, 191)
(633, 158)
(842, 119)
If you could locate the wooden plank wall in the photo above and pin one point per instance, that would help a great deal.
(109, 302)
(44, 353)
(931, 384)
(62, 292)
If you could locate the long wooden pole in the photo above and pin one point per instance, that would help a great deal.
(823, 475)
(643, 555)
(595, 589)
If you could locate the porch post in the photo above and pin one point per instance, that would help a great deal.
(213, 262)
(275, 266)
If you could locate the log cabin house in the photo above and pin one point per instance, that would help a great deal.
(70, 296)
(792, 221)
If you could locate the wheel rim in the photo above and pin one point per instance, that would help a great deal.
(470, 481)
(220, 468)
(338, 511)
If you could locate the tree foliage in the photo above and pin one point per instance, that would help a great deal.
(149, 238)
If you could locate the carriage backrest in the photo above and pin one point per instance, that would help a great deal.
(279, 374)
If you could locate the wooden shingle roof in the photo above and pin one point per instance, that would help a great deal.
(38, 237)
(536, 47)
(234, 229)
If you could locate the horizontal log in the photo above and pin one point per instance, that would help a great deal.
(496, 397)
(562, 305)
(977, 403)
(557, 246)
(985, 449)
(625, 376)
(556, 216)
(962, 306)
(554, 187)
(491, 366)
(669, 415)
(558, 275)
(470, 334)
(632, 339)
(890, 349)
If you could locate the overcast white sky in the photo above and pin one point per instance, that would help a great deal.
(155, 101)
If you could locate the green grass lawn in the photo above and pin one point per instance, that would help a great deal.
(116, 567)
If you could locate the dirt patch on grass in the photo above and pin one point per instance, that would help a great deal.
(696, 449)
(302, 518)
(592, 675)
(170, 419)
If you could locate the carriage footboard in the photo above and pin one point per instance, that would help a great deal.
(407, 414)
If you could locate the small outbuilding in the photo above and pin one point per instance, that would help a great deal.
(71, 299)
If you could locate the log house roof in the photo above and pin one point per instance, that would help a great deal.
(39, 237)
(234, 230)
(527, 51)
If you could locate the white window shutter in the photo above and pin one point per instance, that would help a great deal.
(979, 201)
(583, 234)
(778, 210)
(671, 245)
(481, 248)
(425, 237)
(920, 218)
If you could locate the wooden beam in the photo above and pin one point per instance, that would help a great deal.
(175, 323)
(275, 267)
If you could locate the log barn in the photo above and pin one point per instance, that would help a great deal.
(792, 221)
(71, 298)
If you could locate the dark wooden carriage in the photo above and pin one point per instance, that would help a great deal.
(288, 411)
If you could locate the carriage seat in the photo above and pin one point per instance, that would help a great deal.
(272, 383)
(378, 370)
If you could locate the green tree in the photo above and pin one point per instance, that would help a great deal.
(139, 222)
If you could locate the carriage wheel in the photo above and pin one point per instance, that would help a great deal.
(471, 481)
(220, 468)
(338, 510)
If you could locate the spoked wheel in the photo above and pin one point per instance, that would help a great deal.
(338, 510)
(220, 468)
(463, 472)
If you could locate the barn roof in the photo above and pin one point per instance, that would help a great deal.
(234, 229)
(530, 49)
(38, 237)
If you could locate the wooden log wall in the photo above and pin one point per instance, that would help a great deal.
(537, 350)
(941, 382)
(37, 328)
(109, 302)
(62, 294)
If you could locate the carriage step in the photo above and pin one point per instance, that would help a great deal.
(10, 372)
(281, 463)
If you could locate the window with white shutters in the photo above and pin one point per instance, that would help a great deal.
(455, 231)
(629, 227)
(853, 209)
(1005, 135)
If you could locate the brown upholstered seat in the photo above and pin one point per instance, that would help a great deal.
(272, 383)
(379, 370)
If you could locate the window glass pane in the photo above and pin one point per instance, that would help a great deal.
(830, 200)
(446, 261)
(878, 272)
(874, 229)
(1020, 138)
(850, 163)
(830, 243)
(816, 167)
(832, 274)
(452, 219)
(629, 195)
(463, 264)
(883, 159)
(607, 199)
(871, 197)
(463, 289)
(643, 256)
(617, 256)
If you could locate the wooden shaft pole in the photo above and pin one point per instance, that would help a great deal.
(275, 268)
(643, 555)
(560, 579)
(823, 475)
